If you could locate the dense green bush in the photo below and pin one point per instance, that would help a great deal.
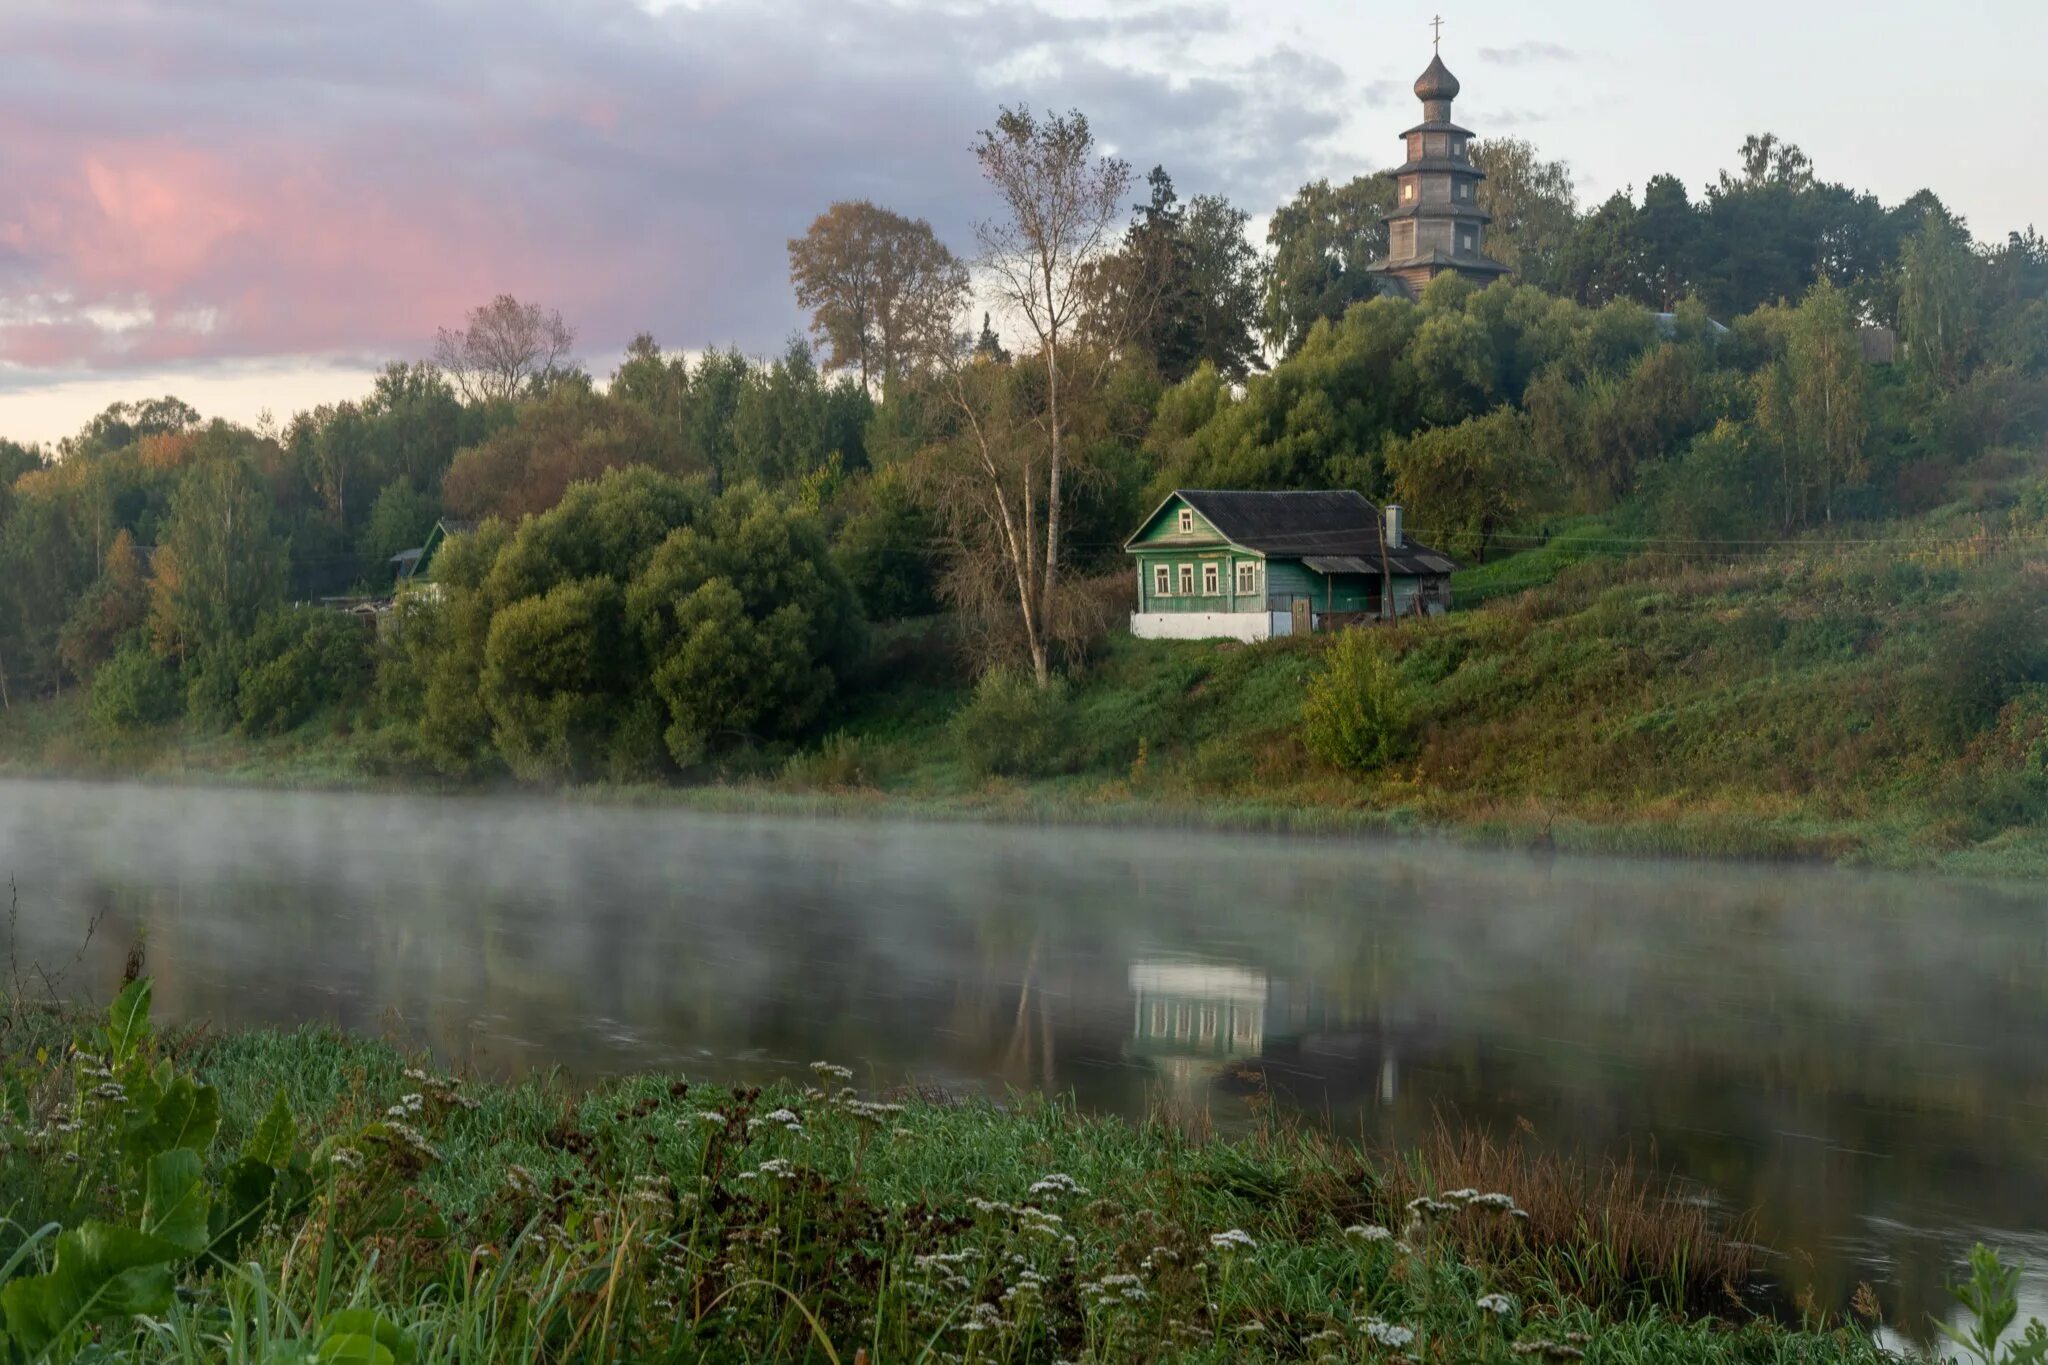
(133, 691)
(1983, 658)
(638, 624)
(1012, 727)
(297, 663)
(1357, 715)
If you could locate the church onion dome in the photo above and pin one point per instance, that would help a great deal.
(1437, 83)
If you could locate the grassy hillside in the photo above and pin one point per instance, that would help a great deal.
(1879, 695)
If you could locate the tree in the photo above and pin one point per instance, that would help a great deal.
(1938, 303)
(571, 434)
(1828, 390)
(1322, 242)
(109, 612)
(747, 623)
(1533, 205)
(1768, 161)
(877, 286)
(1185, 284)
(1060, 202)
(508, 350)
(1468, 482)
(221, 564)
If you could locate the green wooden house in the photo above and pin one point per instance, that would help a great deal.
(1250, 566)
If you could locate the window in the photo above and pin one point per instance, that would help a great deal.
(1187, 580)
(1466, 238)
(1187, 522)
(1464, 190)
(1212, 579)
(1247, 579)
(1162, 581)
(1408, 190)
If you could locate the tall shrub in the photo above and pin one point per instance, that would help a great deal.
(1357, 715)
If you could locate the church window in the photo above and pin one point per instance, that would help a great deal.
(1408, 190)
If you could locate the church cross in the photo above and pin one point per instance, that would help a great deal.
(1437, 24)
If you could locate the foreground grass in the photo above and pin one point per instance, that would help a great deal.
(432, 1219)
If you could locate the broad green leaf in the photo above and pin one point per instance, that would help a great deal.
(246, 1195)
(352, 1349)
(276, 1137)
(128, 1021)
(101, 1273)
(365, 1324)
(184, 1115)
(174, 1208)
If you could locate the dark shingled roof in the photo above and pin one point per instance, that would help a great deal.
(1334, 524)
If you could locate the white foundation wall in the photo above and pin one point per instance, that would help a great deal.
(1248, 626)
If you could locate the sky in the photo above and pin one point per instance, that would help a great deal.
(254, 204)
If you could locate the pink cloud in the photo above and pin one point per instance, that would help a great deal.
(237, 179)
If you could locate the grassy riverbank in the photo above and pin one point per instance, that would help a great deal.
(1877, 700)
(308, 1187)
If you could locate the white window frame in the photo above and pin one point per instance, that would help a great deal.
(1187, 522)
(1187, 580)
(1162, 580)
(1247, 578)
(1212, 579)
(1408, 190)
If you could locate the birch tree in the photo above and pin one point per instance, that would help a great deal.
(1061, 205)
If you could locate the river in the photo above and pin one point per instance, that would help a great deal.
(1861, 1059)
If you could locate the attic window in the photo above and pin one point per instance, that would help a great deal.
(1187, 522)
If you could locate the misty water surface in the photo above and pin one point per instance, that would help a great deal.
(1862, 1059)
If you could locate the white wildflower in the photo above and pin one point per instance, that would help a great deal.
(1057, 1183)
(1233, 1240)
(1388, 1334)
(833, 1071)
(1500, 1305)
(1368, 1232)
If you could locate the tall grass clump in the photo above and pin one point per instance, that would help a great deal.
(1357, 715)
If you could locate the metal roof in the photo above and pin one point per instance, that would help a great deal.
(1411, 559)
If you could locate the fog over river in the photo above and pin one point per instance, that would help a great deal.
(1862, 1059)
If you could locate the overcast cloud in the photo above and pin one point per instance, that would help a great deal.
(243, 178)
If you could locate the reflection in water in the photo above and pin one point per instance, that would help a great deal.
(1858, 1057)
